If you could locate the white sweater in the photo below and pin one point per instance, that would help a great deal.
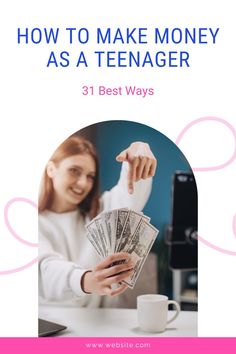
(65, 253)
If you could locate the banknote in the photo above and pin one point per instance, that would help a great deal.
(129, 228)
(122, 215)
(139, 248)
(95, 244)
(96, 230)
(107, 221)
(111, 222)
(93, 237)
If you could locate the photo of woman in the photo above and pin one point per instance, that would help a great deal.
(70, 271)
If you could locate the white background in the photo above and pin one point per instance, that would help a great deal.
(40, 107)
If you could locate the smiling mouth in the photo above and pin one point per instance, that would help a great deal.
(77, 192)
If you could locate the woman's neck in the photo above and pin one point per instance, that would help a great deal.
(58, 207)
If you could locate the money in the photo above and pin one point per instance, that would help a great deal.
(129, 228)
(122, 216)
(111, 220)
(123, 230)
(139, 248)
(96, 232)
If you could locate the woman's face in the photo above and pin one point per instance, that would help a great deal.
(72, 179)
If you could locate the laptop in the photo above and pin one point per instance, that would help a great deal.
(48, 328)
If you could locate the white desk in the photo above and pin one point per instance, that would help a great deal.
(87, 322)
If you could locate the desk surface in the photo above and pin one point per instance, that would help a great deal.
(88, 322)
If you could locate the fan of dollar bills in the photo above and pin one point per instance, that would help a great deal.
(123, 230)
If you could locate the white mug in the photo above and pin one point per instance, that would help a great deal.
(153, 311)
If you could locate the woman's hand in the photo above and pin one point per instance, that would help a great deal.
(105, 274)
(142, 162)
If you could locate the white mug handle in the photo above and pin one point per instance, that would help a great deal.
(177, 310)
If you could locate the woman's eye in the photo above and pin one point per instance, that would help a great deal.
(91, 177)
(73, 171)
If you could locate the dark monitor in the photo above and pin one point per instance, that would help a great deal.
(182, 233)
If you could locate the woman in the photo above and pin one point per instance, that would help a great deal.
(70, 271)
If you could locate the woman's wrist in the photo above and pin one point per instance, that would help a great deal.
(86, 281)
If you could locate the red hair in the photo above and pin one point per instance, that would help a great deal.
(73, 145)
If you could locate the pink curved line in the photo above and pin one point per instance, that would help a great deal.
(199, 120)
(234, 225)
(19, 269)
(6, 209)
(216, 248)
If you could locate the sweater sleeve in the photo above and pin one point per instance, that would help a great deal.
(59, 279)
(119, 197)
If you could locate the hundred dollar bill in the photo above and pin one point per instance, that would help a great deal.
(93, 237)
(122, 215)
(108, 221)
(95, 228)
(130, 226)
(95, 244)
(104, 240)
(139, 248)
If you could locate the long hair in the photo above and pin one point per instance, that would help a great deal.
(73, 145)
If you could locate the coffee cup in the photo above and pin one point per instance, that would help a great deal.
(153, 312)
